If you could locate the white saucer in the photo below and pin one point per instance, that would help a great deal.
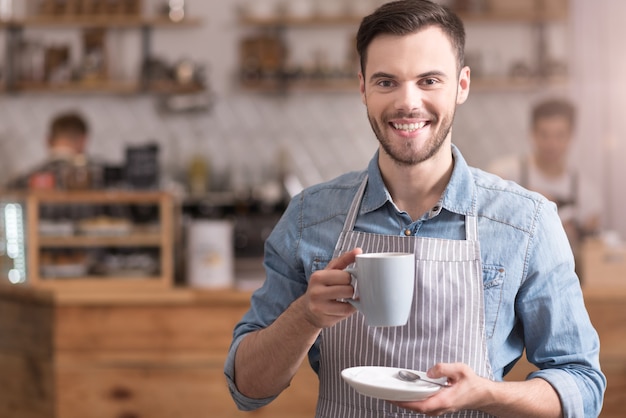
(383, 383)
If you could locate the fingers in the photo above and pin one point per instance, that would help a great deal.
(344, 260)
(327, 287)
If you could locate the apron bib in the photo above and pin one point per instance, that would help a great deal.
(446, 322)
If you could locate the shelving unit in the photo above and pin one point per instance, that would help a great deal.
(537, 19)
(156, 237)
(16, 28)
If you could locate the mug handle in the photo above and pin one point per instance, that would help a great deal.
(354, 301)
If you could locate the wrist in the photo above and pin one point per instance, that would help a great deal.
(304, 317)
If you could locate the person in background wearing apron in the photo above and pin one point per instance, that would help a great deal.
(546, 169)
(66, 142)
(492, 258)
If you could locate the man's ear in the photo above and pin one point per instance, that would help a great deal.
(464, 85)
(362, 86)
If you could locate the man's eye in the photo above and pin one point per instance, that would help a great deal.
(385, 83)
(429, 81)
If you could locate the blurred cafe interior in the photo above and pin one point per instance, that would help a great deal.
(123, 273)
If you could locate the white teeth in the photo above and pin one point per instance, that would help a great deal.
(409, 127)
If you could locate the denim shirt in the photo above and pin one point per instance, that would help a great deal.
(533, 298)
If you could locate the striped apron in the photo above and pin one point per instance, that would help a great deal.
(446, 322)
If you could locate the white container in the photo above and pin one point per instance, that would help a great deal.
(210, 254)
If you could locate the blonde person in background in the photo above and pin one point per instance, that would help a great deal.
(548, 170)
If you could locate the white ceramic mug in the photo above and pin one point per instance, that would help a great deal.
(384, 285)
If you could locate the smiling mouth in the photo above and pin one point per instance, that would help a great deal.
(408, 127)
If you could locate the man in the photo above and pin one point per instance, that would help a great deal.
(547, 171)
(66, 142)
(502, 249)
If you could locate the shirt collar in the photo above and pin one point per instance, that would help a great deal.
(458, 197)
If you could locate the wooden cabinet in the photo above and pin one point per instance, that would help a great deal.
(97, 240)
(121, 355)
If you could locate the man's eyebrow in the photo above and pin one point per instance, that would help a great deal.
(432, 73)
(381, 74)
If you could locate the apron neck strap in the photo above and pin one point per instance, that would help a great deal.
(471, 228)
(348, 225)
(471, 222)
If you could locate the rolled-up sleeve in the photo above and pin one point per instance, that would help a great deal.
(572, 393)
(243, 402)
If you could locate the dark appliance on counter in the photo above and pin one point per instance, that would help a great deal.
(142, 166)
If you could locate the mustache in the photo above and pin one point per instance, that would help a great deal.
(410, 115)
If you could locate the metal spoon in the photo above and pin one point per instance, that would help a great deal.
(408, 376)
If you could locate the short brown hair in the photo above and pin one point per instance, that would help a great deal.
(403, 17)
(554, 107)
(68, 123)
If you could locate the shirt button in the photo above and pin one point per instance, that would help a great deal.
(407, 232)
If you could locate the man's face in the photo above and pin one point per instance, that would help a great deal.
(411, 88)
(551, 137)
(67, 144)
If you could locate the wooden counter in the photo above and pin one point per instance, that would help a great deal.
(161, 354)
(152, 355)
(607, 309)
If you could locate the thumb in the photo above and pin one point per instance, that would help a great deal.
(453, 371)
(344, 260)
(439, 370)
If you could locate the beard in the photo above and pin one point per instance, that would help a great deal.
(403, 151)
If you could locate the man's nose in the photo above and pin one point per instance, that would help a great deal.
(409, 98)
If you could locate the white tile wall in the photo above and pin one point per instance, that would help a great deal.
(325, 135)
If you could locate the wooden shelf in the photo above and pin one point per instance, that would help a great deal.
(131, 240)
(93, 196)
(68, 21)
(106, 87)
(89, 284)
(299, 21)
(169, 87)
(325, 86)
(345, 20)
(512, 18)
(78, 87)
(508, 84)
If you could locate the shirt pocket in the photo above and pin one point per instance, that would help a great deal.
(493, 283)
(319, 263)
